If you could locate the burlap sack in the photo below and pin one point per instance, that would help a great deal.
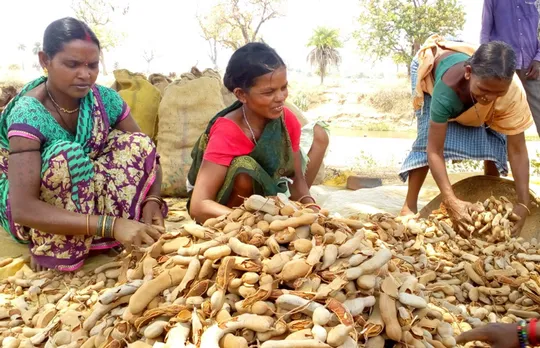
(142, 97)
(159, 81)
(187, 107)
(6, 94)
(228, 97)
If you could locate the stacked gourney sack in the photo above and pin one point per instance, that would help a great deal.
(273, 274)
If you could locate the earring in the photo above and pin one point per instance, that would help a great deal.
(45, 72)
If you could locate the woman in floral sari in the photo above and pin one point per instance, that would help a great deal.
(75, 173)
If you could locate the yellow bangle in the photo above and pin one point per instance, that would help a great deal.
(525, 206)
(87, 224)
(103, 226)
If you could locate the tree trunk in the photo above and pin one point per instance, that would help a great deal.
(322, 72)
(213, 53)
(102, 60)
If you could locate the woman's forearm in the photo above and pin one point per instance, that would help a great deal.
(299, 188)
(155, 189)
(518, 157)
(437, 166)
(208, 209)
(50, 219)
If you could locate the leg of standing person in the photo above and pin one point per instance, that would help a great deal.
(490, 168)
(532, 88)
(416, 181)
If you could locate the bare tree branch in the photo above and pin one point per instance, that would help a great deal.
(148, 56)
(273, 14)
(238, 21)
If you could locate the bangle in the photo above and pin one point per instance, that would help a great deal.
(102, 227)
(532, 332)
(525, 206)
(98, 226)
(312, 205)
(87, 224)
(112, 227)
(108, 227)
(306, 196)
(522, 333)
(154, 198)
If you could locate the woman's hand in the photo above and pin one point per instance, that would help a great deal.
(315, 208)
(460, 213)
(497, 335)
(152, 215)
(520, 211)
(134, 234)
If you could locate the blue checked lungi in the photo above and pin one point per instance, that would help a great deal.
(462, 142)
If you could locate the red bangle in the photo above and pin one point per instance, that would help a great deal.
(532, 332)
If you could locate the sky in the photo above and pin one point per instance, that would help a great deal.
(170, 28)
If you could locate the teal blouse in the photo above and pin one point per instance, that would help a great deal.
(445, 103)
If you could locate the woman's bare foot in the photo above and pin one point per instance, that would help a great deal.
(36, 267)
(407, 211)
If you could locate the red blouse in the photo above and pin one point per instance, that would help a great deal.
(228, 141)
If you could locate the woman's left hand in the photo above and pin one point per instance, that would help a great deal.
(520, 211)
(152, 215)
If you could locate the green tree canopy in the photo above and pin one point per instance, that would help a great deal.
(325, 42)
(397, 28)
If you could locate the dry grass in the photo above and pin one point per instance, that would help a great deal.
(305, 96)
(396, 102)
(390, 98)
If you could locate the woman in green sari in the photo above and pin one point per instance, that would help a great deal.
(76, 174)
(253, 146)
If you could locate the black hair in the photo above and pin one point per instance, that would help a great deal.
(249, 62)
(65, 30)
(495, 59)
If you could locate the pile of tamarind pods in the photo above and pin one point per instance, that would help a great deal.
(274, 274)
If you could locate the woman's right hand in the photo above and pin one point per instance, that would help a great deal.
(460, 213)
(133, 233)
(497, 335)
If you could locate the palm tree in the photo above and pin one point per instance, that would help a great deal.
(325, 43)
(22, 48)
(36, 48)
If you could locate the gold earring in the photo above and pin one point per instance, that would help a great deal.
(45, 72)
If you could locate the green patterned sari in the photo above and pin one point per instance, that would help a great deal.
(269, 164)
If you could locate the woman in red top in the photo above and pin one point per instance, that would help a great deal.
(253, 146)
